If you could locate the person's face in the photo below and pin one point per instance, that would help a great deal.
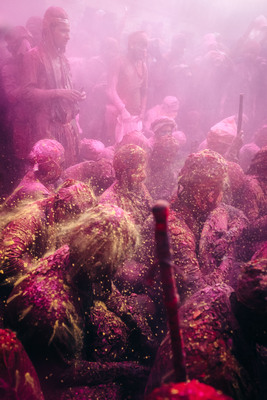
(165, 130)
(139, 49)
(61, 35)
(50, 171)
(136, 176)
(206, 198)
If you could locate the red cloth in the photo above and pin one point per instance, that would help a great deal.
(18, 378)
(192, 390)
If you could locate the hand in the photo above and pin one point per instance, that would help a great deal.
(220, 248)
(83, 95)
(71, 94)
(221, 245)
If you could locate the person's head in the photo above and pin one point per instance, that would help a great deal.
(260, 137)
(163, 126)
(210, 42)
(34, 26)
(72, 199)
(102, 239)
(258, 165)
(221, 135)
(170, 106)
(91, 149)
(202, 180)
(18, 40)
(129, 165)
(47, 158)
(56, 29)
(135, 137)
(164, 151)
(216, 58)
(138, 44)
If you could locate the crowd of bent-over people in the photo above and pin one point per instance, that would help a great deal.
(82, 314)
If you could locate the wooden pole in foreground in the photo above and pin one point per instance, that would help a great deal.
(240, 114)
(171, 297)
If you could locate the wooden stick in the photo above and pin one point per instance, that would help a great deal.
(240, 114)
(171, 297)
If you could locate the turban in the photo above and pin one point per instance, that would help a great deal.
(160, 122)
(223, 132)
(54, 16)
(47, 150)
(205, 167)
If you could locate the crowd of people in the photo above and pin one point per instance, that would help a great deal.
(82, 310)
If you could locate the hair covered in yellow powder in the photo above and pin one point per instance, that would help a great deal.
(205, 167)
(72, 198)
(105, 235)
(128, 157)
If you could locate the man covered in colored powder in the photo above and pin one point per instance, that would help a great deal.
(18, 41)
(252, 201)
(46, 162)
(220, 327)
(200, 186)
(74, 323)
(128, 191)
(31, 230)
(163, 159)
(128, 88)
(48, 86)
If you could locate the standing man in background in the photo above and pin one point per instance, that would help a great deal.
(128, 90)
(48, 86)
